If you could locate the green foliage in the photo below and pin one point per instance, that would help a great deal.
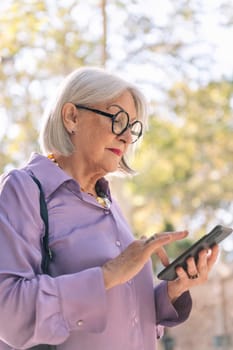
(42, 42)
(185, 161)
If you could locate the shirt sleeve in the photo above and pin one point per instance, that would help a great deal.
(168, 314)
(37, 308)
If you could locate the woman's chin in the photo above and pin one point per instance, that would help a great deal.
(111, 168)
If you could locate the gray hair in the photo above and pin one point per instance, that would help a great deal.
(86, 86)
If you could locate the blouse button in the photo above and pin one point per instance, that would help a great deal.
(118, 243)
(80, 323)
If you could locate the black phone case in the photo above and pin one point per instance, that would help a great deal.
(215, 236)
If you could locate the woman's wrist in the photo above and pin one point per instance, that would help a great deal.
(174, 291)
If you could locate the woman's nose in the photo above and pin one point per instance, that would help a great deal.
(126, 136)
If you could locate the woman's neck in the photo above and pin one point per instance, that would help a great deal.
(81, 174)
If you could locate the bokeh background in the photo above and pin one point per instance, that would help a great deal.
(180, 53)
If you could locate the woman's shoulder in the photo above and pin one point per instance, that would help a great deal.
(21, 176)
(16, 180)
(12, 176)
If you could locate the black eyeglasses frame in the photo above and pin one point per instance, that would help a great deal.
(113, 117)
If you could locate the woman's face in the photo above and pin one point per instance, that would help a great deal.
(97, 148)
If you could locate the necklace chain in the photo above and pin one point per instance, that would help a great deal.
(102, 200)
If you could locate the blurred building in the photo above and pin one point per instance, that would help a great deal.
(210, 325)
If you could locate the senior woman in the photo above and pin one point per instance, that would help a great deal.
(99, 293)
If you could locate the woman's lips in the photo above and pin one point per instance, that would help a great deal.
(117, 151)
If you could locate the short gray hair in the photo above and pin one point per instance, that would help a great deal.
(86, 86)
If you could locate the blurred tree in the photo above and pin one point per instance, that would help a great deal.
(160, 47)
(44, 40)
(105, 30)
(167, 41)
(41, 42)
(185, 161)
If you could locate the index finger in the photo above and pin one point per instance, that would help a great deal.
(160, 239)
(162, 255)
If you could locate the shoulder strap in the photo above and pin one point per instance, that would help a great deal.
(46, 251)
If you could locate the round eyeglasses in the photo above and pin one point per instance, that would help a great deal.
(120, 122)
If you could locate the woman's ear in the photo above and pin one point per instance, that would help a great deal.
(70, 117)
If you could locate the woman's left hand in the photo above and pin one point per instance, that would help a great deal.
(197, 273)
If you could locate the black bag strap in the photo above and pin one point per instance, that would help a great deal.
(47, 254)
(46, 251)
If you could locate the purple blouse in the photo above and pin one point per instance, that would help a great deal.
(71, 308)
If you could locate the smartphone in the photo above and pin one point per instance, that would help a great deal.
(215, 236)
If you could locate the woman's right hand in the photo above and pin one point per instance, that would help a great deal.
(126, 265)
